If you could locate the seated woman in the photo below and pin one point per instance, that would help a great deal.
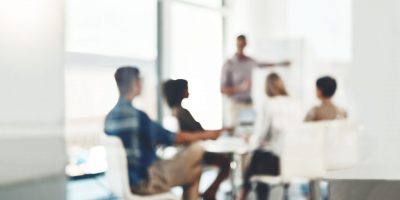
(174, 92)
(278, 112)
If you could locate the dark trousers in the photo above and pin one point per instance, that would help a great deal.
(262, 163)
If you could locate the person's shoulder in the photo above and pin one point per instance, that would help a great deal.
(182, 112)
(141, 114)
(115, 112)
(341, 111)
(229, 62)
(250, 59)
(314, 109)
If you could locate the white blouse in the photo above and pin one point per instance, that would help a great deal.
(274, 116)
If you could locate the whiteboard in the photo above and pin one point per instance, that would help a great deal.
(294, 76)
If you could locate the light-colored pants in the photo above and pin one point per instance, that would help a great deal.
(182, 170)
(232, 110)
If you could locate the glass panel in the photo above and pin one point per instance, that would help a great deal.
(196, 55)
(125, 28)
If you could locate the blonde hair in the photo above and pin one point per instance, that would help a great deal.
(274, 86)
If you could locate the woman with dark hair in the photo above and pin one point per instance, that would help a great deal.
(174, 92)
(278, 113)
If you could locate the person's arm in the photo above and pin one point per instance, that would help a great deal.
(227, 86)
(159, 135)
(262, 126)
(185, 137)
(231, 90)
(284, 64)
(189, 124)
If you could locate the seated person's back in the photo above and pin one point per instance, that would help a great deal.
(280, 113)
(139, 136)
(327, 110)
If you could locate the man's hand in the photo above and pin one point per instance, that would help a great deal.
(229, 129)
(244, 86)
(213, 135)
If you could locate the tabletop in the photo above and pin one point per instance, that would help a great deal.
(227, 144)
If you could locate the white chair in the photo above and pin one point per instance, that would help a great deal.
(302, 156)
(117, 173)
(341, 144)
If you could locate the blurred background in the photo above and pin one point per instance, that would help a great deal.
(57, 59)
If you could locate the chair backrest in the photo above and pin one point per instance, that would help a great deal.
(341, 144)
(302, 153)
(117, 168)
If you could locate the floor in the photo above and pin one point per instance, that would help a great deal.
(95, 189)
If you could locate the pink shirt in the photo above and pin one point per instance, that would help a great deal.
(234, 72)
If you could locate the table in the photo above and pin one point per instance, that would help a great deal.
(235, 147)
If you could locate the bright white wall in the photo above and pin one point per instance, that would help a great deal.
(374, 81)
(32, 103)
(260, 20)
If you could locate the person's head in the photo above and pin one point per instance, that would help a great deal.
(241, 43)
(128, 81)
(275, 86)
(326, 87)
(175, 91)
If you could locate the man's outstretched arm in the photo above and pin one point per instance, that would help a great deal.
(283, 64)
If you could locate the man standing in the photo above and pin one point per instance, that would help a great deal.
(236, 81)
(140, 137)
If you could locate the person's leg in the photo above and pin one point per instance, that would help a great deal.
(223, 162)
(185, 170)
(262, 190)
(156, 182)
(191, 190)
(249, 172)
(261, 163)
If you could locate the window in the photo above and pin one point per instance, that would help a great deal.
(101, 36)
(196, 55)
(123, 28)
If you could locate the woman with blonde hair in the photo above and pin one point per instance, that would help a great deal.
(277, 113)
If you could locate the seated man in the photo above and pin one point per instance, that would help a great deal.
(326, 88)
(140, 137)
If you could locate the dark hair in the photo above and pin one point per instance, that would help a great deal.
(327, 85)
(241, 37)
(174, 91)
(125, 76)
